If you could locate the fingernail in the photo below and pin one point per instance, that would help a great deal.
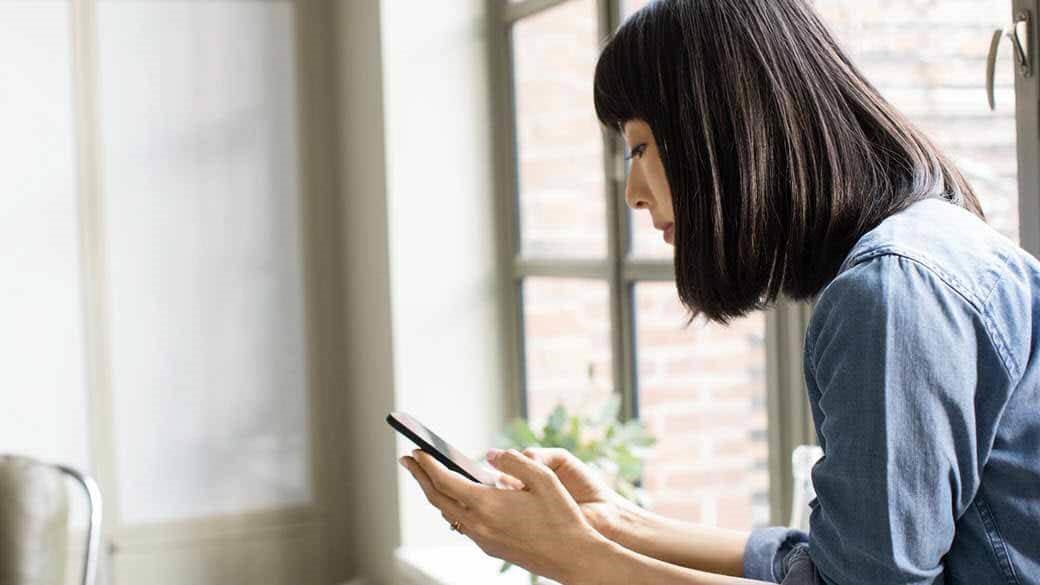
(401, 461)
(493, 454)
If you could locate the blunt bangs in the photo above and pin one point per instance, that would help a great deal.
(622, 89)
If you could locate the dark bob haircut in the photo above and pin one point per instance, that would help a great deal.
(778, 152)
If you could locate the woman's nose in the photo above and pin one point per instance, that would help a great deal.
(636, 194)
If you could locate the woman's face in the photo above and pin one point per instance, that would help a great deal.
(647, 186)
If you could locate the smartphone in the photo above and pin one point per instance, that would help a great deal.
(428, 441)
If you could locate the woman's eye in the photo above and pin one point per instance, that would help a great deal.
(636, 152)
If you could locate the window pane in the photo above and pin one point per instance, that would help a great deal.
(45, 379)
(648, 241)
(630, 6)
(566, 345)
(559, 142)
(929, 60)
(702, 392)
(203, 232)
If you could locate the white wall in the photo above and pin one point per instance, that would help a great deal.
(419, 256)
(442, 244)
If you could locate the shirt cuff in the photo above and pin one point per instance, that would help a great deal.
(765, 551)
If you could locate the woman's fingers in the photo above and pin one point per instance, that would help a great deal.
(465, 492)
(531, 472)
(442, 502)
(553, 457)
(507, 482)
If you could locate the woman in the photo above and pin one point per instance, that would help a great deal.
(775, 168)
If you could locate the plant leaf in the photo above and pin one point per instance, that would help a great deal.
(589, 451)
(519, 435)
(570, 439)
(630, 467)
(554, 425)
(634, 433)
(614, 448)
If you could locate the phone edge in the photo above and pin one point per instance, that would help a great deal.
(428, 448)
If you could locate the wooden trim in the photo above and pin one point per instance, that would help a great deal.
(323, 294)
(94, 258)
(156, 535)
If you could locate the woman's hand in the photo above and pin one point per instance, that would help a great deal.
(539, 527)
(623, 522)
(601, 506)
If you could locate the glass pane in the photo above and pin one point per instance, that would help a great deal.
(648, 241)
(567, 345)
(198, 103)
(561, 174)
(630, 6)
(702, 392)
(42, 338)
(929, 60)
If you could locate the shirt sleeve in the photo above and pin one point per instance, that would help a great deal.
(894, 354)
(767, 549)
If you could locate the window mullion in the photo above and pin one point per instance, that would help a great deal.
(507, 190)
(514, 11)
(1027, 119)
(621, 313)
(789, 418)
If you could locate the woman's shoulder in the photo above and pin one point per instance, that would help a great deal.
(948, 241)
(934, 252)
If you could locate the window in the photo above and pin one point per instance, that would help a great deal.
(40, 282)
(596, 311)
(155, 320)
(929, 60)
(207, 300)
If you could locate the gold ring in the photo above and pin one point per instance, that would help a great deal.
(456, 526)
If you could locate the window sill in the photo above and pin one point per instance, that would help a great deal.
(455, 565)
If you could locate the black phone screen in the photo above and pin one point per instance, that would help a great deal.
(430, 442)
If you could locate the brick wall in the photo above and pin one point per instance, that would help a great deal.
(702, 393)
(702, 389)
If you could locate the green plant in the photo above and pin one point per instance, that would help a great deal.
(616, 448)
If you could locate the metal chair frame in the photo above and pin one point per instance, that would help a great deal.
(93, 493)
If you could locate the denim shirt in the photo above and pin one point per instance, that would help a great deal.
(923, 374)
